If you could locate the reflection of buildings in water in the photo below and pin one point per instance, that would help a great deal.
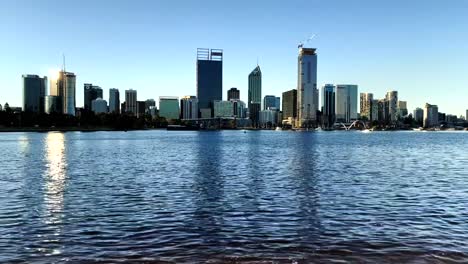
(55, 177)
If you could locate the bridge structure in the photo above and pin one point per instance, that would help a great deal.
(353, 124)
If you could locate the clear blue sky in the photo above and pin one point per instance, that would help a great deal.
(419, 48)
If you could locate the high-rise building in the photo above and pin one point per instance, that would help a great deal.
(232, 108)
(278, 103)
(269, 101)
(392, 101)
(431, 116)
(255, 94)
(34, 91)
(131, 101)
(114, 100)
(91, 93)
(209, 79)
(346, 102)
(307, 92)
(148, 104)
(328, 105)
(269, 117)
(418, 115)
(169, 107)
(141, 108)
(69, 97)
(382, 106)
(402, 109)
(375, 110)
(233, 93)
(64, 87)
(52, 104)
(189, 107)
(366, 100)
(290, 104)
(99, 106)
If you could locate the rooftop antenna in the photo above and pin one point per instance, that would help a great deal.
(63, 55)
(257, 60)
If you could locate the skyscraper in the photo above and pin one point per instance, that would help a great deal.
(64, 87)
(290, 104)
(189, 107)
(114, 100)
(99, 106)
(34, 92)
(392, 101)
(307, 93)
(255, 94)
(209, 79)
(278, 103)
(131, 101)
(269, 101)
(346, 102)
(431, 116)
(233, 93)
(328, 103)
(69, 95)
(418, 115)
(402, 109)
(366, 105)
(91, 93)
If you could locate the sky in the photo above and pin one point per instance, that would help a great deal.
(419, 48)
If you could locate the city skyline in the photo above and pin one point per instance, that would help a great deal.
(376, 61)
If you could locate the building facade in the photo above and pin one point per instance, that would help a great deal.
(169, 107)
(290, 104)
(366, 100)
(418, 115)
(233, 93)
(209, 79)
(69, 96)
(91, 93)
(402, 109)
(99, 106)
(431, 116)
(328, 105)
(114, 100)
(269, 101)
(34, 92)
(392, 101)
(131, 101)
(229, 109)
(307, 92)
(255, 94)
(189, 108)
(346, 102)
(269, 117)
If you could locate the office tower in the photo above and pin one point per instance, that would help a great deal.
(91, 93)
(34, 91)
(431, 116)
(239, 108)
(307, 93)
(290, 104)
(374, 110)
(189, 107)
(328, 105)
(382, 107)
(269, 101)
(169, 107)
(366, 106)
(99, 106)
(402, 109)
(255, 94)
(392, 101)
(131, 101)
(51, 104)
(69, 95)
(64, 87)
(278, 103)
(451, 119)
(269, 117)
(418, 115)
(346, 103)
(141, 108)
(209, 79)
(233, 93)
(114, 100)
(442, 117)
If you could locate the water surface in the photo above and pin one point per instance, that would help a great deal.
(230, 196)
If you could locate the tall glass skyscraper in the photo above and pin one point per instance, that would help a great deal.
(307, 92)
(34, 92)
(91, 93)
(114, 100)
(346, 97)
(209, 79)
(269, 101)
(130, 101)
(328, 104)
(255, 95)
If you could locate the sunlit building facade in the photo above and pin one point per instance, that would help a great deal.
(307, 92)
